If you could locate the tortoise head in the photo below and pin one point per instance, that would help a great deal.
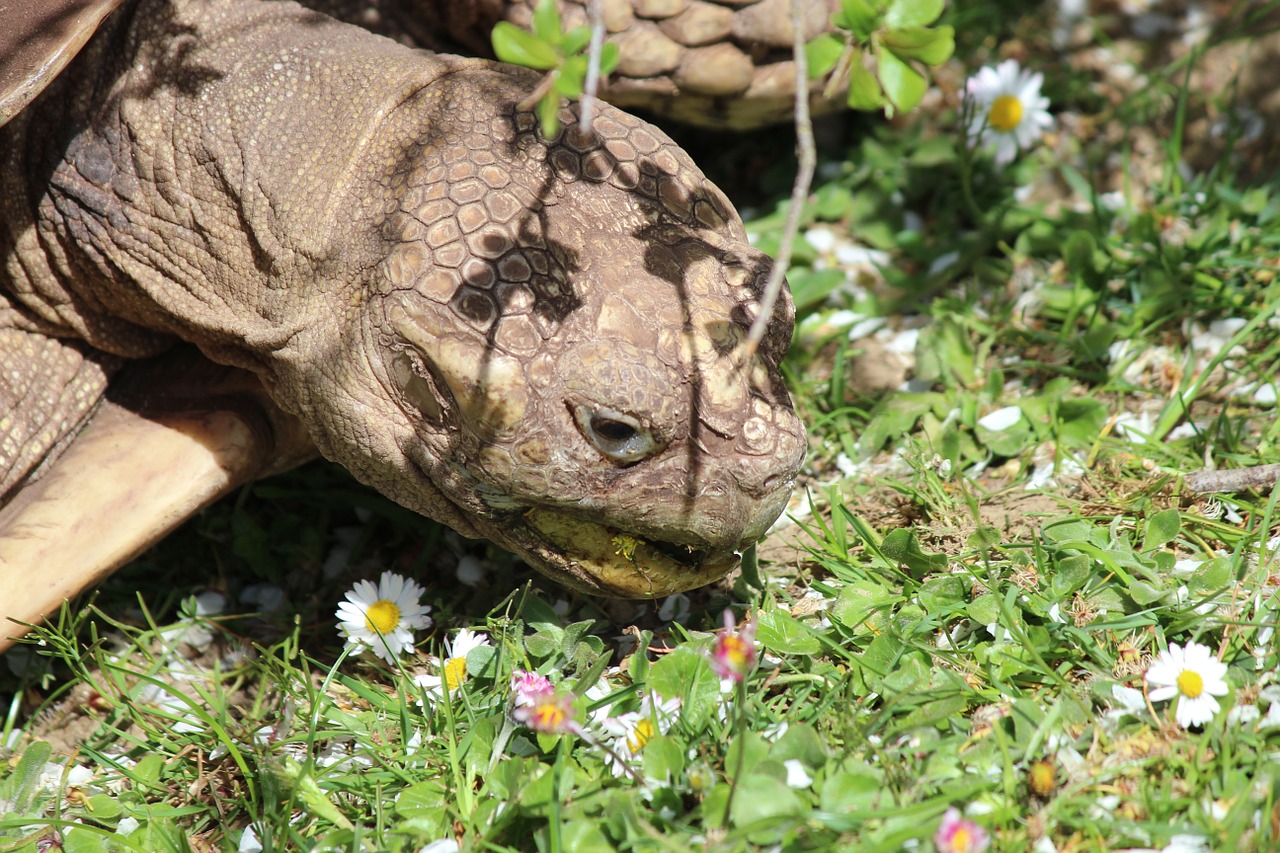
(557, 330)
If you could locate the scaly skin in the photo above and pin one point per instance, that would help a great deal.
(530, 342)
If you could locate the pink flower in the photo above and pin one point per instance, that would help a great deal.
(735, 651)
(957, 834)
(528, 687)
(548, 712)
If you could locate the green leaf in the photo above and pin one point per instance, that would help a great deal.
(546, 22)
(103, 807)
(1210, 575)
(864, 90)
(575, 40)
(424, 800)
(754, 749)
(911, 669)
(638, 665)
(823, 53)
(1067, 530)
(896, 415)
(571, 77)
(934, 712)
(859, 602)
(549, 114)
(984, 609)
(21, 786)
(538, 614)
(536, 790)
(802, 743)
(301, 785)
(1069, 574)
(545, 643)
(903, 547)
(761, 798)
(663, 758)
(581, 836)
(859, 16)
(1081, 421)
(1162, 528)
(853, 789)
(932, 47)
(520, 47)
(82, 839)
(903, 85)
(1144, 593)
(880, 658)
(687, 675)
(1007, 442)
(1078, 252)
(609, 55)
(945, 352)
(943, 594)
(781, 633)
(912, 13)
(147, 770)
(811, 287)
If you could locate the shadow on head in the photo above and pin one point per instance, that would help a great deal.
(559, 327)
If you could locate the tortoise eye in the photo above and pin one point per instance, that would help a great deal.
(618, 436)
(615, 432)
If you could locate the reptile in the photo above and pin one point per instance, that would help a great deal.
(235, 234)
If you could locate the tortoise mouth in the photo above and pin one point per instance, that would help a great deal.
(601, 560)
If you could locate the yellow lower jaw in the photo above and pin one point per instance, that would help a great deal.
(622, 564)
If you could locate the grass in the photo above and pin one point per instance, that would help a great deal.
(991, 545)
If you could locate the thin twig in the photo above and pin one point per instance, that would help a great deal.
(596, 16)
(530, 103)
(1234, 479)
(808, 161)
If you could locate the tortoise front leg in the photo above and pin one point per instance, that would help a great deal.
(147, 461)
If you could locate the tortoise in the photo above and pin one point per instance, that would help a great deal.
(235, 234)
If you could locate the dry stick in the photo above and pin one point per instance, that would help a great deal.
(592, 83)
(1234, 479)
(799, 191)
(530, 103)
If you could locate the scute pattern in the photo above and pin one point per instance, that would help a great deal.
(447, 300)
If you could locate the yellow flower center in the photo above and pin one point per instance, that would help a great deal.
(1005, 114)
(640, 735)
(455, 672)
(1042, 780)
(733, 652)
(382, 616)
(1190, 684)
(960, 840)
(548, 717)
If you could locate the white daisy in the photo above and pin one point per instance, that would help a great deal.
(453, 671)
(1008, 111)
(443, 845)
(632, 731)
(343, 753)
(797, 776)
(381, 619)
(1193, 675)
(249, 842)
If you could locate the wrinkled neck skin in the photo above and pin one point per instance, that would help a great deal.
(534, 342)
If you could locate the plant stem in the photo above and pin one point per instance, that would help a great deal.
(740, 736)
(808, 161)
(556, 842)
